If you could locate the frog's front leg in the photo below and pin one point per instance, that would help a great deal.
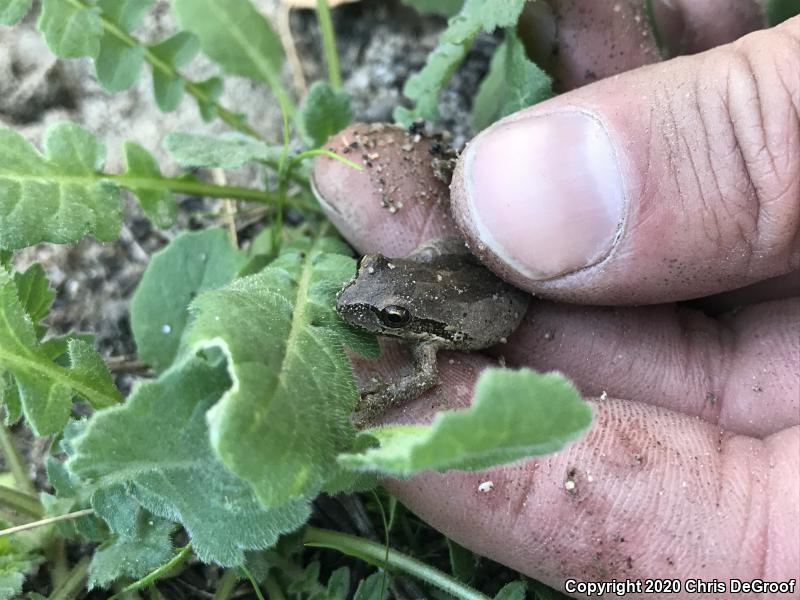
(425, 376)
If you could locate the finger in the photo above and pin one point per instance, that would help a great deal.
(395, 201)
(580, 41)
(740, 372)
(670, 182)
(647, 493)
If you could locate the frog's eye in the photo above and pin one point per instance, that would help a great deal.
(395, 316)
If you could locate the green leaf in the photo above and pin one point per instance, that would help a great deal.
(443, 8)
(236, 36)
(462, 561)
(46, 388)
(339, 583)
(140, 541)
(176, 51)
(778, 11)
(287, 414)
(157, 443)
(19, 556)
(515, 414)
(70, 31)
(512, 591)
(157, 203)
(118, 60)
(423, 88)
(9, 396)
(513, 83)
(34, 292)
(12, 11)
(372, 587)
(229, 150)
(481, 14)
(194, 262)
(58, 196)
(209, 92)
(324, 112)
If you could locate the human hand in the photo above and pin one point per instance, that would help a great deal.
(676, 181)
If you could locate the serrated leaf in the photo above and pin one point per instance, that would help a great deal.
(176, 51)
(209, 92)
(157, 443)
(234, 35)
(70, 30)
(324, 111)
(287, 414)
(157, 203)
(12, 11)
(475, 15)
(443, 8)
(194, 262)
(34, 292)
(513, 83)
(423, 88)
(512, 591)
(514, 415)
(118, 61)
(46, 388)
(140, 541)
(57, 196)
(228, 151)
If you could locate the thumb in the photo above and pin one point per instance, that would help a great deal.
(669, 182)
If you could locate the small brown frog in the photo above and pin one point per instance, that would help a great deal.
(441, 296)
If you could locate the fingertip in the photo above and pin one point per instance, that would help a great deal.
(395, 201)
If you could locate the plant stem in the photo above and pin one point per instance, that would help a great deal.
(57, 558)
(48, 521)
(330, 154)
(376, 554)
(226, 585)
(192, 87)
(200, 188)
(253, 582)
(274, 589)
(158, 573)
(21, 502)
(14, 461)
(329, 44)
(74, 583)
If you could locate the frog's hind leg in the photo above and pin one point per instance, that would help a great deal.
(423, 378)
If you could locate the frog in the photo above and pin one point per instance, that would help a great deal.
(439, 297)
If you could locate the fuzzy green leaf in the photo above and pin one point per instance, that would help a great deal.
(229, 150)
(19, 557)
(70, 31)
(177, 476)
(118, 61)
(481, 14)
(176, 51)
(287, 414)
(46, 388)
(34, 292)
(12, 11)
(423, 88)
(157, 203)
(191, 264)
(515, 414)
(140, 541)
(235, 35)
(9, 397)
(324, 112)
(513, 82)
(58, 196)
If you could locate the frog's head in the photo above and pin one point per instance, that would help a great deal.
(379, 299)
